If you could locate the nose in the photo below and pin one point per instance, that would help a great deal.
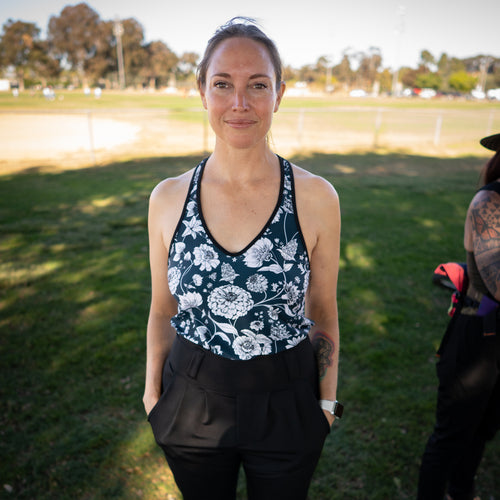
(240, 102)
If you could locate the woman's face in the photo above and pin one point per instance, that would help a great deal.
(240, 93)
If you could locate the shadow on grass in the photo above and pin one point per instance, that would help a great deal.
(74, 298)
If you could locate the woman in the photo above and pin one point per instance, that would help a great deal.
(468, 406)
(244, 254)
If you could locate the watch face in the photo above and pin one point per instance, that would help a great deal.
(338, 409)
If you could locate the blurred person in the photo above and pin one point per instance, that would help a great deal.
(468, 400)
(243, 335)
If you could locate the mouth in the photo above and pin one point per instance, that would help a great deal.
(240, 123)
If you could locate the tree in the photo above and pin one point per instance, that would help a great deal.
(103, 61)
(385, 79)
(369, 64)
(443, 64)
(462, 81)
(74, 37)
(187, 66)
(41, 66)
(408, 77)
(428, 81)
(16, 46)
(160, 65)
(289, 73)
(427, 59)
(493, 78)
(343, 72)
(307, 73)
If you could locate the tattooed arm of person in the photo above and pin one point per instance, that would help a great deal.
(324, 350)
(484, 215)
(319, 214)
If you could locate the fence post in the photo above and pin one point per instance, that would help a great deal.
(490, 121)
(378, 124)
(300, 127)
(437, 131)
(91, 137)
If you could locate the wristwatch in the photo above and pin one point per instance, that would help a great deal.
(334, 407)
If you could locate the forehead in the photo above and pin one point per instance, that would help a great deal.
(240, 53)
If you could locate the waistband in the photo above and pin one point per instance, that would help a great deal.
(262, 373)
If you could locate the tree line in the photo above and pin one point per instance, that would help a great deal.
(80, 49)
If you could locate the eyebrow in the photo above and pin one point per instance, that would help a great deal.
(252, 77)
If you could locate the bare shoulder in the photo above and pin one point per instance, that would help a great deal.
(318, 210)
(169, 195)
(165, 207)
(485, 198)
(313, 188)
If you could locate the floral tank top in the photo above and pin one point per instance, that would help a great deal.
(245, 304)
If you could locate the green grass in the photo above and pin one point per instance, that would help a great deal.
(76, 100)
(74, 297)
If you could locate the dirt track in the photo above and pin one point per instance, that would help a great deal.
(80, 139)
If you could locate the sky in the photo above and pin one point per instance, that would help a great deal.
(304, 30)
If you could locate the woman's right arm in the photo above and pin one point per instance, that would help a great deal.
(163, 215)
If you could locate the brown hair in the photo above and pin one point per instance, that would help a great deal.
(239, 27)
(491, 171)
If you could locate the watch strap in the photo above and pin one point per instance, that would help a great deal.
(334, 407)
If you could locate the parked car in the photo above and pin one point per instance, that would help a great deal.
(428, 93)
(493, 94)
(357, 93)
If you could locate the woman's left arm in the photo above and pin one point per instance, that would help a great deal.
(484, 215)
(322, 217)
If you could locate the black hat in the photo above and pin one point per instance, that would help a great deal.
(491, 142)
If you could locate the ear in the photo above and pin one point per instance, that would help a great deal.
(202, 95)
(279, 95)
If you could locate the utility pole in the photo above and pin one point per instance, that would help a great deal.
(118, 32)
(400, 27)
(483, 66)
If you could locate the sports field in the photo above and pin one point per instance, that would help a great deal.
(74, 298)
(76, 130)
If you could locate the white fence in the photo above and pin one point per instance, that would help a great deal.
(96, 137)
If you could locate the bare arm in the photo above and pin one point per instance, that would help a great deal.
(164, 210)
(484, 217)
(321, 225)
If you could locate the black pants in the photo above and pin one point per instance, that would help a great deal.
(468, 409)
(217, 414)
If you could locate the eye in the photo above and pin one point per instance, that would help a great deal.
(220, 84)
(260, 86)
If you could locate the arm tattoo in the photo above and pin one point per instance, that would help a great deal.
(485, 223)
(324, 349)
(485, 217)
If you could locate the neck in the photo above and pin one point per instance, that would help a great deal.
(242, 165)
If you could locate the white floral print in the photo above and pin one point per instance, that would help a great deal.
(228, 273)
(230, 301)
(174, 277)
(250, 345)
(257, 283)
(193, 226)
(259, 253)
(190, 300)
(241, 305)
(288, 251)
(205, 257)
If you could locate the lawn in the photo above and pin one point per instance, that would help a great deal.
(74, 298)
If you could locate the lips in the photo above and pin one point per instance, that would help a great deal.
(240, 123)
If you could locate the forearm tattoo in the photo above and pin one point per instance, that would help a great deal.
(485, 218)
(324, 349)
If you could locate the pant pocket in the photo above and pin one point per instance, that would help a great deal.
(164, 414)
(317, 415)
